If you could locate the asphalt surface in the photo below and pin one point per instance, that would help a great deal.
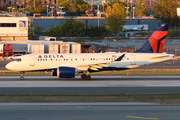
(90, 90)
(58, 112)
(98, 84)
(3, 63)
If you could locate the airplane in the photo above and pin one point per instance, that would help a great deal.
(68, 65)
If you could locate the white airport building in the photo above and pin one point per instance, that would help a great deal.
(13, 28)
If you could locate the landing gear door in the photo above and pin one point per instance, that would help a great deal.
(31, 60)
(133, 59)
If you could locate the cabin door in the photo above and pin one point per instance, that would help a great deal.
(133, 59)
(31, 60)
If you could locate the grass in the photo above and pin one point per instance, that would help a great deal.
(124, 72)
(165, 99)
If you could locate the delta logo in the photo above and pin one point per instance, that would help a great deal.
(50, 56)
(114, 56)
(39, 57)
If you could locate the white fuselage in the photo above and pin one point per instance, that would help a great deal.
(83, 61)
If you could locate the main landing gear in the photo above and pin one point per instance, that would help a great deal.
(22, 77)
(86, 76)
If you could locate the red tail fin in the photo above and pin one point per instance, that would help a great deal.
(156, 42)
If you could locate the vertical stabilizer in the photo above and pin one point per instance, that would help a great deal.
(156, 42)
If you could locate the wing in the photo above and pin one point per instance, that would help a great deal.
(92, 66)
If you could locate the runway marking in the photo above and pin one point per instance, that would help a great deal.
(79, 107)
(143, 117)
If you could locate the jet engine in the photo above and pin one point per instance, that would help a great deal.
(66, 72)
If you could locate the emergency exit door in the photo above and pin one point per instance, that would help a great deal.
(32, 60)
(133, 59)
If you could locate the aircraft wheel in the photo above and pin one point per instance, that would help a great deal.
(88, 77)
(83, 76)
(22, 78)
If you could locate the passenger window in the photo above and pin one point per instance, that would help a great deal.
(127, 58)
(106, 58)
(93, 58)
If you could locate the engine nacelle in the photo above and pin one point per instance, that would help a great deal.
(66, 72)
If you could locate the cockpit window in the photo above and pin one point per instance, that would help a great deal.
(18, 60)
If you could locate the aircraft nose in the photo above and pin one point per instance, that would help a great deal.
(10, 66)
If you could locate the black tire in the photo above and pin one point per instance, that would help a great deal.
(88, 77)
(22, 78)
(83, 76)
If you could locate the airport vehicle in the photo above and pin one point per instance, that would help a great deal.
(68, 65)
(91, 12)
(7, 50)
(15, 56)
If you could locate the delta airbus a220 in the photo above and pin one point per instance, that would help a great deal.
(70, 65)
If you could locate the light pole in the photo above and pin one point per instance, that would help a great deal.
(98, 15)
(47, 10)
(34, 3)
(131, 5)
(91, 4)
(9, 8)
(127, 10)
(133, 12)
(52, 10)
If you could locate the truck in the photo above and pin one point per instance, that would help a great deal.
(35, 48)
(7, 50)
(75, 47)
(10, 49)
(47, 38)
(1, 49)
(64, 47)
(19, 48)
(51, 47)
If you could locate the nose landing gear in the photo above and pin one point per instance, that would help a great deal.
(22, 77)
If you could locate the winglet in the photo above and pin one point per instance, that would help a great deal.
(120, 58)
(99, 51)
